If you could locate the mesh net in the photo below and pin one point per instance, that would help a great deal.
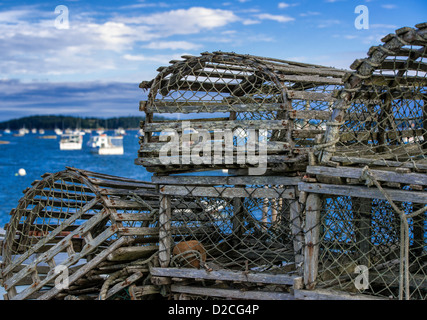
(245, 228)
(45, 207)
(386, 109)
(360, 247)
(285, 103)
(68, 218)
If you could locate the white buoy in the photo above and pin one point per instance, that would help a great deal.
(22, 172)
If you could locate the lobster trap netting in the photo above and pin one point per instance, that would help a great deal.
(45, 207)
(366, 247)
(381, 116)
(68, 218)
(253, 228)
(225, 100)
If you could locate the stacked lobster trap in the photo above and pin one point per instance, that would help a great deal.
(77, 234)
(310, 184)
(371, 206)
(251, 122)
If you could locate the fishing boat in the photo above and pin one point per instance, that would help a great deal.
(120, 132)
(106, 145)
(70, 141)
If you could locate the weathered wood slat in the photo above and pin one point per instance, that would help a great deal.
(364, 192)
(310, 95)
(56, 214)
(220, 125)
(231, 293)
(306, 133)
(152, 231)
(270, 146)
(51, 253)
(121, 184)
(87, 267)
(132, 216)
(225, 275)
(374, 162)
(399, 64)
(177, 108)
(322, 294)
(125, 283)
(132, 253)
(311, 240)
(373, 135)
(89, 247)
(381, 175)
(217, 180)
(105, 176)
(310, 79)
(49, 237)
(139, 231)
(213, 162)
(286, 193)
(165, 238)
(219, 88)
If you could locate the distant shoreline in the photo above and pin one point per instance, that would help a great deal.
(50, 122)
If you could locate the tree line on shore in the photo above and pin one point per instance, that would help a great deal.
(51, 122)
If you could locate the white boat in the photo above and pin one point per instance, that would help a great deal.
(7, 131)
(120, 132)
(58, 131)
(41, 131)
(34, 130)
(22, 132)
(70, 141)
(106, 145)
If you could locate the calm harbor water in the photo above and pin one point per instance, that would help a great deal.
(38, 156)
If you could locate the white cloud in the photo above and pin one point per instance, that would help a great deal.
(383, 26)
(160, 58)
(283, 5)
(143, 4)
(185, 21)
(309, 14)
(172, 45)
(250, 21)
(31, 46)
(389, 6)
(278, 18)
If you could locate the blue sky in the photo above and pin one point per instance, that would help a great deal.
(94, 67)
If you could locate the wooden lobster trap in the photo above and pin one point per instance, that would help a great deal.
(371, 206)
(242, 232)
(386, 96)
(80, 227)
(233, 111)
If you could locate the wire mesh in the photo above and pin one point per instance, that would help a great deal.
(46, 206)
(360, 248)
(65, 220)
(385, 104)
(286, 103)
(246, 228)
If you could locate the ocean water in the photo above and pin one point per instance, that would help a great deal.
(38, 156)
